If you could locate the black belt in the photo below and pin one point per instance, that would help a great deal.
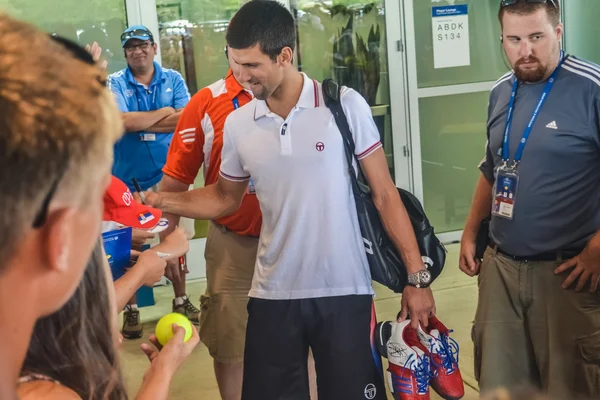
(551, 256)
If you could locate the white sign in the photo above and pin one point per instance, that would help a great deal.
(450, 26)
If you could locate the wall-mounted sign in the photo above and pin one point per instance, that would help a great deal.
(450, 26)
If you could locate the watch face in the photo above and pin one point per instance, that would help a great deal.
(425, 276)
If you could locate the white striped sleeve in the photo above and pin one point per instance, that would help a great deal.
(231, 164)
(364, 131)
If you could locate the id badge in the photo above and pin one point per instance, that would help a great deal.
(505, 190)
(149, 137)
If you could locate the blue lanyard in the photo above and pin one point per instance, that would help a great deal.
(236, 103)
(536, 111)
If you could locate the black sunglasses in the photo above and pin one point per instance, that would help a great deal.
(83, 55)
(506, 3)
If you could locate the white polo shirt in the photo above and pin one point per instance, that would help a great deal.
(310, 243)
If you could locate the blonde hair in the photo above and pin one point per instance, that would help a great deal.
(57, 121)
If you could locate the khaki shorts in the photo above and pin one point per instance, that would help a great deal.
(530, 331)
(230, 260)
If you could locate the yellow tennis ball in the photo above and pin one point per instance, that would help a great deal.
(164, 328)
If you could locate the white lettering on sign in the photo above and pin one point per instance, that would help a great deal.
(450, 28)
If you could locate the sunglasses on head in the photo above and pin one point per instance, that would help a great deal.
(76, 50)
(136, 32)
(83, 55)
(506, 3)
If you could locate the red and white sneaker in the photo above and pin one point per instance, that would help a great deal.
(409, 372)
(446, 379)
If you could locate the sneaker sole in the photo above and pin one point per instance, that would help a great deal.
(383, 331)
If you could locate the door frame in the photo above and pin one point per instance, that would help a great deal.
(415, 93)
(399, 94)
(143, 12)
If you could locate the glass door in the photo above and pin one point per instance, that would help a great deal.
(356, 43)
(353, 42)
(192, 41)
(84, 22)
(448, 104)
(582, 28)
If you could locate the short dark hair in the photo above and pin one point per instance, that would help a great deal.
(523, 7)
(264, 22)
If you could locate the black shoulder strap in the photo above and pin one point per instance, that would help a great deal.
(332, 97)
(332, 94)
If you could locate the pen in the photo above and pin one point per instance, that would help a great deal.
(138, 188)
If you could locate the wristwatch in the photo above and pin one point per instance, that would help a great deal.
(419, 279)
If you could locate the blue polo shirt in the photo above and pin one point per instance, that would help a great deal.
(142, 155)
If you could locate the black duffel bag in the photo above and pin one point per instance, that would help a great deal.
(385, 262)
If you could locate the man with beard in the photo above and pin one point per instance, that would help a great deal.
(538, 316)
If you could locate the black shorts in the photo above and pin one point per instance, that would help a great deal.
(337, 329)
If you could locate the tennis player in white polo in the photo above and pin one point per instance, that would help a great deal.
(312, 285)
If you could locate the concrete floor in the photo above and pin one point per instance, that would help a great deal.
(456, 299)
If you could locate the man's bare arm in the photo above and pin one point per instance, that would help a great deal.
(481, 208)
(127, 285)
(418, 302)
(393, 213)
(166, 125)
(150, 266)
(211, 202)
(137, 121)
(170, 184)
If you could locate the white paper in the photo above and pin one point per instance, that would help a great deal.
(450, 25)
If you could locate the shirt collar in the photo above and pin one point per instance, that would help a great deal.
(309, 98)
(159, 75)
(232, 85)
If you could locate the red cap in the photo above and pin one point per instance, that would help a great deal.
(120, 207)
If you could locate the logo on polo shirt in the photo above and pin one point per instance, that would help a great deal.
(320, 146)
(552, 125)
(370, 391)
(168, 90)
(129, 93)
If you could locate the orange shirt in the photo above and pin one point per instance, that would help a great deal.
(198, 139)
